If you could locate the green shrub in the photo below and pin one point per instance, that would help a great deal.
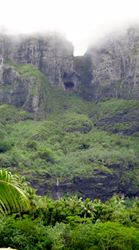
(47, 155)
(4, 146)
(74, 122)
(32, 145)
(23, 234)
(105, 236)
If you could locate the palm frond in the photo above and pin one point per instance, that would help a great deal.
(12, 197)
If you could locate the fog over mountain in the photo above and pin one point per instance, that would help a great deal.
(82, 21)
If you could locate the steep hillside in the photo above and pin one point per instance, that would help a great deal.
(73, 146)
(75, 130)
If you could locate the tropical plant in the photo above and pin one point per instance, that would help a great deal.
(12, 196)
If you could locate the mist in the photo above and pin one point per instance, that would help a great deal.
(83, 22)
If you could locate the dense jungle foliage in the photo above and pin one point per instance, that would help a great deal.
(72, 138)
(72, 223)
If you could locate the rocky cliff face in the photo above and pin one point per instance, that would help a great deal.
(109, 70)
(114, 67)
(21, 90)
(51, 54)
(13, 89)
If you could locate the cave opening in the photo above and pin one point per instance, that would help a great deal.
(69, 85)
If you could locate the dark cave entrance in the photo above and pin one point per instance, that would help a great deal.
(69, 85)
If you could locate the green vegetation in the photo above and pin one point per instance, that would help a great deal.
(12, 197)
(67, 143)
(10, 114)
(71, 141)
(76, 138)
(72, 223)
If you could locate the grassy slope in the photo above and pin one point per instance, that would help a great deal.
(75, 138)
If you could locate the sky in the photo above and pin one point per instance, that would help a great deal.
(81, 21)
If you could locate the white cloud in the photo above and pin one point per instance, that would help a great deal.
(80, 20)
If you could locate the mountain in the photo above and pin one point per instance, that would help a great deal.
(71, 124)
(108, 70)
(111, 68)
(51, 53)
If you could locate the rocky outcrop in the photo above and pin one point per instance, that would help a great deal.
(18, 90)
(52, 54)
(101, 185)
(114, 67)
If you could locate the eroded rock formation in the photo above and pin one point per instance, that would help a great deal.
(115, 67)
(108, 70)
(52, 54)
